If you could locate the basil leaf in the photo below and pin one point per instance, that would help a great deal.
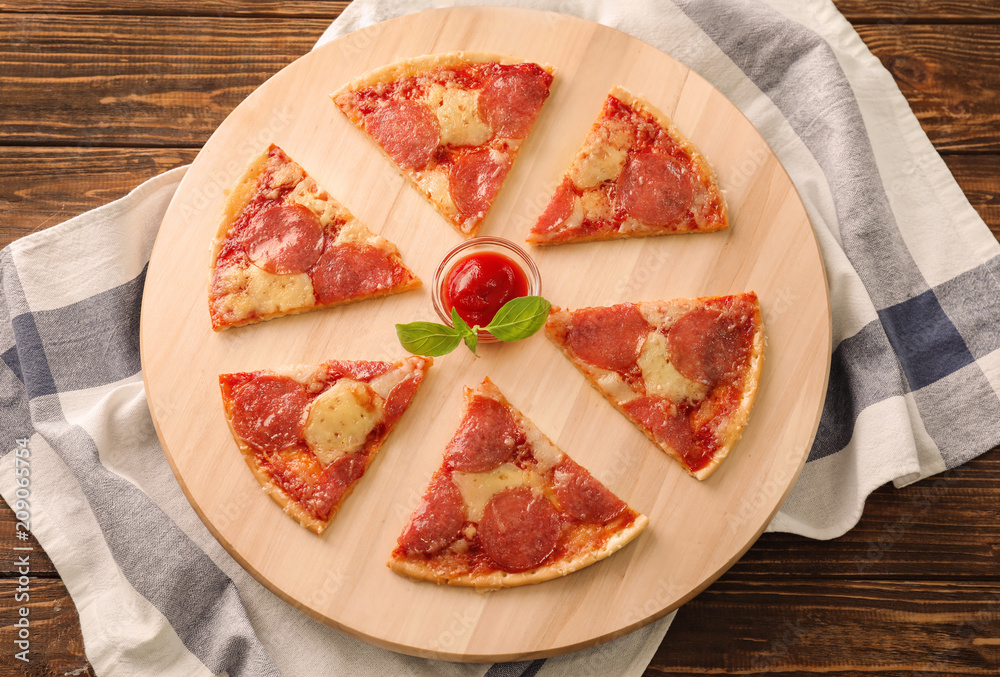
(469, 335)
(428, 338)
(519, 318)
(472, 341)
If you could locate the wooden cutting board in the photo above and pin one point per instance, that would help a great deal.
(697, 529)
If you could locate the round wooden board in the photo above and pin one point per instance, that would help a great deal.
(697, 529)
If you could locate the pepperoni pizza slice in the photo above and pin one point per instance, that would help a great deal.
(309, 433)
(452, 124)
(285, 246)
(634, 176)
(684, 371)
(508, 508)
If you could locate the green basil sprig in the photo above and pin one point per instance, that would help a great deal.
(518, 319)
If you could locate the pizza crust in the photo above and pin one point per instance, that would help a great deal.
(612, 535)
(418, 65)
(238, 306)
(308, 375)
(270, 488)
(419, 570)
(657, 313)
(457, 115)
(735, 429)
(602, 158)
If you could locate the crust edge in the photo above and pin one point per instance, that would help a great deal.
(502, 579)
(268, 486)
(421, 64)
(734, 431)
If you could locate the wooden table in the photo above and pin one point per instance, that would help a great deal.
(96, 97)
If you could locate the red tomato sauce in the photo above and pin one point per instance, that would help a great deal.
(480, 284)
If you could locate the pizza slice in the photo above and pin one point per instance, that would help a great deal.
(285, 246)
(452, 124)
(684, 371)
(508, 508)
(634, 176)
(309, 433)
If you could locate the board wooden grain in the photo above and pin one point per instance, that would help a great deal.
(697, 530)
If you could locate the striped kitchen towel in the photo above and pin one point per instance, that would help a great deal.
(915, 374)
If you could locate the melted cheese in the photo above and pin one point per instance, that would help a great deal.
(479, 487)
(245, 290)
(303, 373)
(287, 173)
(340, 420)
(383, 385)
(457, 111)
(615, 386)
(547, 455)
(595, 206)
(308, 194)
(355, 232)
(597, 163)
(662, 378)
(435, 184)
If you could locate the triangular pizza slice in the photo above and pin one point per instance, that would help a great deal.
(685, 371)
(309, 432)
(635, 175)
(452, 123)
(285, 246)
(508, 508)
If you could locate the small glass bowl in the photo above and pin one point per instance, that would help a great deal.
(478, 245)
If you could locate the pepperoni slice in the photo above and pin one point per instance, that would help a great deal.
(559, 209)
(268, 412)
(487, 437)
(359, 371)
(407, 130)
(438, 520)
(338, 477)
(582, 497)
(669, 423)
(399, 398)
(609, 338)
(348, 270)
(519, 530)
(710, 346)
(475, 178)
(283, 238)
(655, 188)
(511, 100)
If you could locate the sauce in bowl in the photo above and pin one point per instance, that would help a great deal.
(480, 284)
(479, 276)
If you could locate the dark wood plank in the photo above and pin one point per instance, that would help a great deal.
(192, 72)
(979, 177)
(325, 9)
(907, 533)
(136, 81)
(55, 644)
(40, 187)
(949, 74)
(919, 11)
(837, 629)
(857, 11)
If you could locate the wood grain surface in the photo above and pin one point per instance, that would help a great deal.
(697, 529)
(773, 611)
